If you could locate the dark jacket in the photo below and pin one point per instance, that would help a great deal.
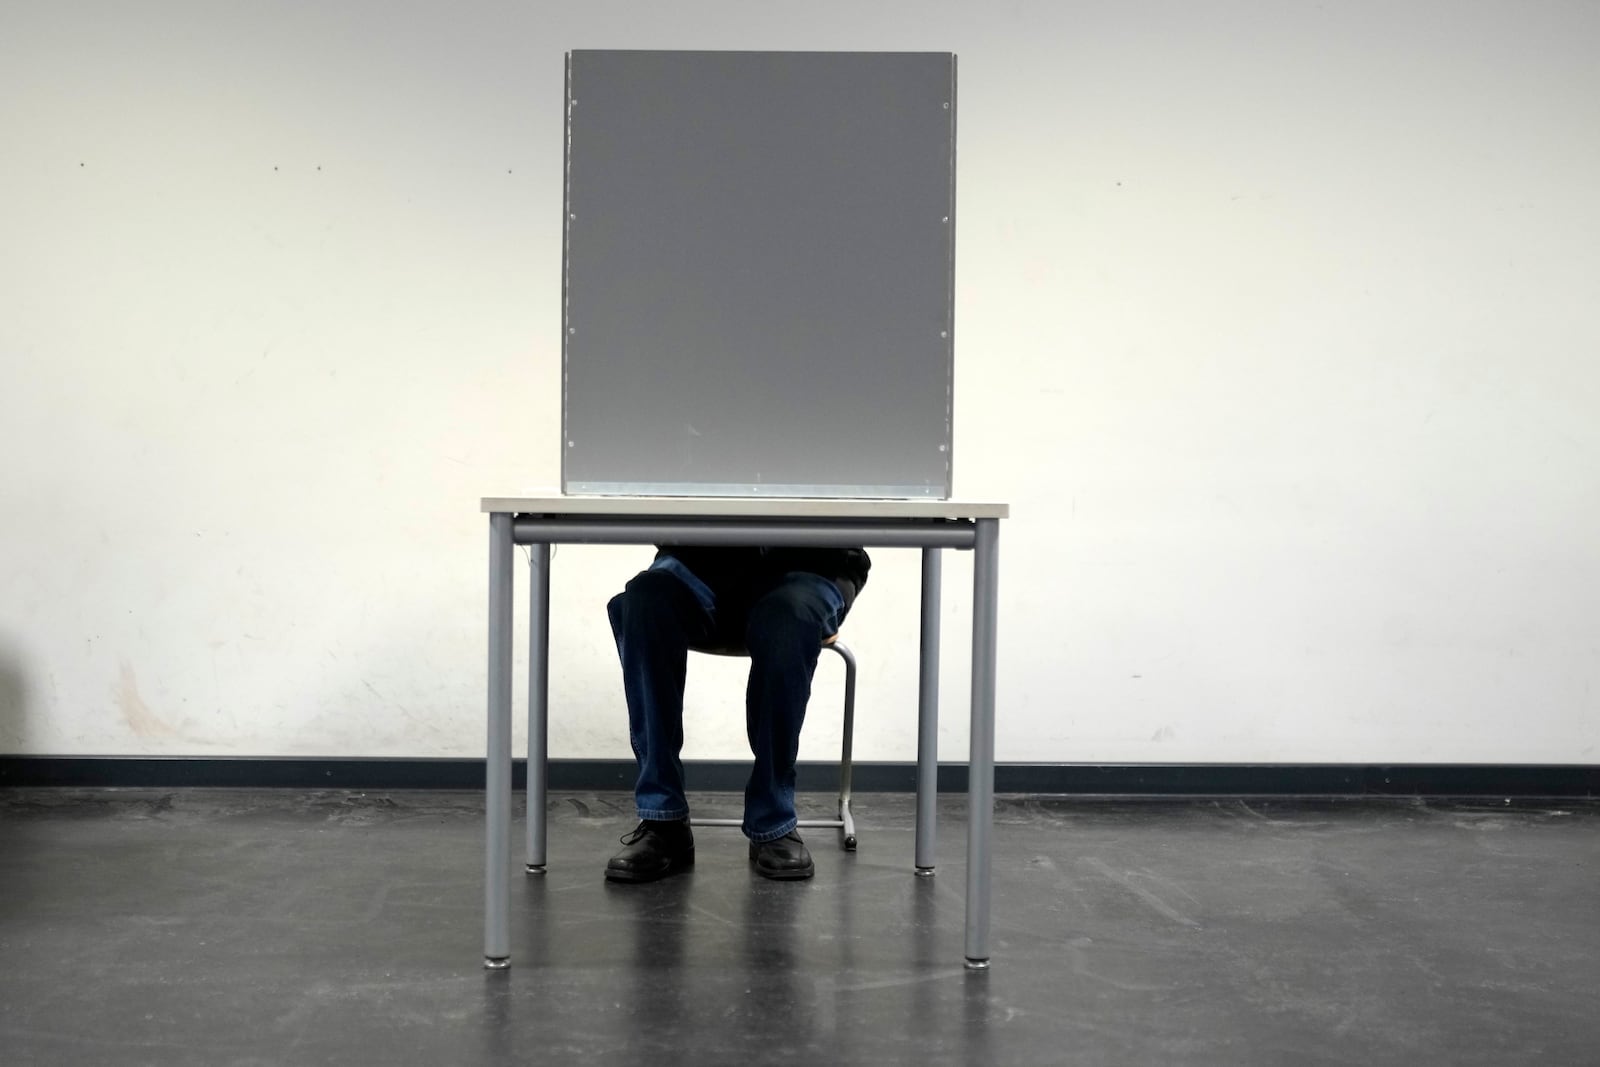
(730, 570)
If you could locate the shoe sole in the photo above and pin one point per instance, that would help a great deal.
(677, 866)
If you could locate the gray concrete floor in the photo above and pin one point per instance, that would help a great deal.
(282, 927)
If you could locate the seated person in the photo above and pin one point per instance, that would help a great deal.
(779, 604)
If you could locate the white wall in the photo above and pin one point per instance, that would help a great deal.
(1277, 325)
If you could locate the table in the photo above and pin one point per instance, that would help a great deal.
(931, 525)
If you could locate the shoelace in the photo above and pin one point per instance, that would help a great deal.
(635, 834)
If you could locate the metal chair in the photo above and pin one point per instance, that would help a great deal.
(845, 823)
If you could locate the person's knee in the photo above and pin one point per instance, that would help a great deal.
(649, 596)
(784, 622)
(650, 588)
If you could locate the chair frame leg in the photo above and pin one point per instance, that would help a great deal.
(846, 821)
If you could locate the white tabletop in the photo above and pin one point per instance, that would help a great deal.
(683, 507)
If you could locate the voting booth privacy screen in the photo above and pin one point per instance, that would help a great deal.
(759, 269)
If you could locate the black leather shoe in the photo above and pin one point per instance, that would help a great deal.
(654, 850)
(784, 858)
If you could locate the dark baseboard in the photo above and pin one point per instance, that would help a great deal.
(1123, 779)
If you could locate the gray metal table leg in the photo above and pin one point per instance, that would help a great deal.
(928, 715)
(497, 769)
(538, 701)
(980, 785)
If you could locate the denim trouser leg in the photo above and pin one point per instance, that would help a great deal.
(784, 635)
(654, 620)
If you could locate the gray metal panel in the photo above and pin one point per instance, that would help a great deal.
(759, 270)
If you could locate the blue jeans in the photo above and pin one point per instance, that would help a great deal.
(665, 611)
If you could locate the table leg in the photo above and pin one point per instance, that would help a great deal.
(928, 715)
(538, 701)
(497, 770)
(980, 783)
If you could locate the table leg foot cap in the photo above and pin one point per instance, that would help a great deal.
(924, 872)
(534, 868)
(977, 965)
(496, 963)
